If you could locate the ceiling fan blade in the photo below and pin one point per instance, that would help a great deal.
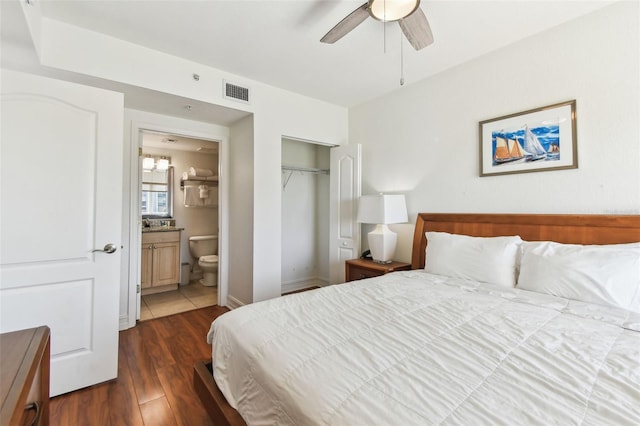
(417, 30)
(343, 27)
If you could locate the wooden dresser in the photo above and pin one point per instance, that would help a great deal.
(24, 377)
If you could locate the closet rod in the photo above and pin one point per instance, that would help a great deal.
(292, 169)
(306, 169)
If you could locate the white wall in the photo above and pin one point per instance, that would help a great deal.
(241, 221)
(323, 186)
(276, 113)
(426, 146)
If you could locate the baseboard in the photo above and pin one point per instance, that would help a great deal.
(233, 303)
(124, 322)
(302, 284)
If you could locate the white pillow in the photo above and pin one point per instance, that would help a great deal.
(603, 274)
(486, 259)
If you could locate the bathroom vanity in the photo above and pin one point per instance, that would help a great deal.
(160, 267)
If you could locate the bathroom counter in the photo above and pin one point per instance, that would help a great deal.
(161, 229)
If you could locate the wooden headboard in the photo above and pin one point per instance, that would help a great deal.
(563, 228)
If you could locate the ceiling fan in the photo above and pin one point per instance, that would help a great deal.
(411, 18)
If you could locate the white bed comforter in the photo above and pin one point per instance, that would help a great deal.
(415, 348)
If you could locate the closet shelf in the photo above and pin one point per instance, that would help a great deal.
(213, 182)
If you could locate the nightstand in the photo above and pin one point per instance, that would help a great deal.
(357, 269)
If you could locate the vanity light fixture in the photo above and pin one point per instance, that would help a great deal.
(162, 164)
(148, 163)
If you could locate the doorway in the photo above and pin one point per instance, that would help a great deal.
(185, 206)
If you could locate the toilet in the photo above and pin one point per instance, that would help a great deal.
(205, 249)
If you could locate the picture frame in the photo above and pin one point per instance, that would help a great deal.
(535, 140)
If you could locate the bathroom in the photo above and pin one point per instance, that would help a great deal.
(179, 221)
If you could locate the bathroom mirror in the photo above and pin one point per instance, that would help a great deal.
(157, 193)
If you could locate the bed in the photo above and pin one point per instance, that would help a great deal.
(438, 345)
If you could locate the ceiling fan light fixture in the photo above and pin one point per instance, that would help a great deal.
(392, 10)
(407, 13)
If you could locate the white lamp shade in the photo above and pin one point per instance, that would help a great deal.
(382, 209)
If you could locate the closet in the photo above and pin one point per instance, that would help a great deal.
(305, 214)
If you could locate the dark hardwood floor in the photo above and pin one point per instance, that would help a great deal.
(155, 373)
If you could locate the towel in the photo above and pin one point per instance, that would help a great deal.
(185, 175)
(200, 172)
(212, 200)
(192, 196)
(204, 191)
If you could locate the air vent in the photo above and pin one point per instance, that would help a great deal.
(235, 92)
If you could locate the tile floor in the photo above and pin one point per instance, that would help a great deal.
(186, 298)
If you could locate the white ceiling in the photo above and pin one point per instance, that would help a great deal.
(277, 42)
(178, 143)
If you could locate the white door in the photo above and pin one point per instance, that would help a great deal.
(61, 190)
(344, 240)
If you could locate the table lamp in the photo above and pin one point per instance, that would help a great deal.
(382, 210)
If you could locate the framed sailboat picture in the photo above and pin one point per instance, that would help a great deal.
(530, 141)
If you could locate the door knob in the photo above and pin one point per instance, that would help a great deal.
(108, 248)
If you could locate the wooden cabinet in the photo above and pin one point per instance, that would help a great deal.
(24, 374)
(166, 263)
(160, 266)
(146, 264)
(357, 269)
